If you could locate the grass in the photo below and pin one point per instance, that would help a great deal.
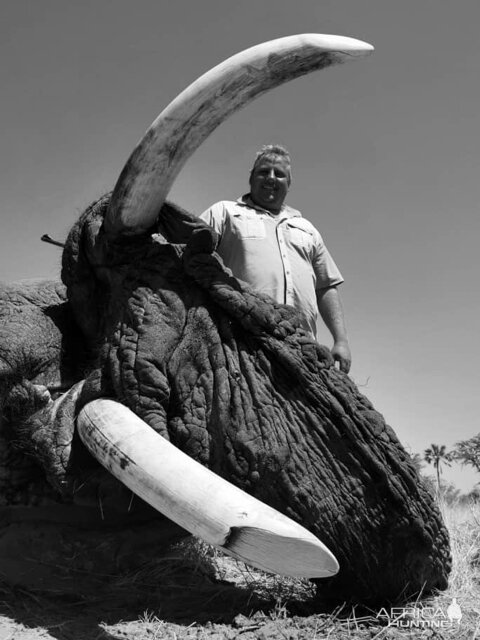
(463, 523)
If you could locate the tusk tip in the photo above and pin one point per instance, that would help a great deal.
(289, 555)
(341, 44)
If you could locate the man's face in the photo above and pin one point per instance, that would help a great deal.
(269, 183)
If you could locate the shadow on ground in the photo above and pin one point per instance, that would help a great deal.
(180, 591)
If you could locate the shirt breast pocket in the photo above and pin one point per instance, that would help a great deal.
(300, 238)
(251, 228)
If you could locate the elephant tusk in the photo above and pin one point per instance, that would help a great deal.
(188, 120)
(196, 498)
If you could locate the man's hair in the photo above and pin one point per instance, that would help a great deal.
(275, 151)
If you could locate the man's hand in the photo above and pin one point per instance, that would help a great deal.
(341, 354)
(331, 310)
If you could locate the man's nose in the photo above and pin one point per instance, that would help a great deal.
(271, 175)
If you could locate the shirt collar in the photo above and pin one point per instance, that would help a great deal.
(285, 211)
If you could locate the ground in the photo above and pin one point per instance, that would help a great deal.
(196, 593)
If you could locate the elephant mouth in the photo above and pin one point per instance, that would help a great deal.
(175, 484)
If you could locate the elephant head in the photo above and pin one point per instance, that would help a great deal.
(223, 373)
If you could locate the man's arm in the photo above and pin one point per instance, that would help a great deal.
(331, 310)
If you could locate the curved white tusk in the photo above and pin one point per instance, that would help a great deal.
(196, 498)
(186, 122)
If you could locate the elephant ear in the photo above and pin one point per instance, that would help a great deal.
(35, 322)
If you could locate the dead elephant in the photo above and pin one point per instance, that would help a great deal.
(150, 317)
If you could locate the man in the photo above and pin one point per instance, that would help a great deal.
(273, 248)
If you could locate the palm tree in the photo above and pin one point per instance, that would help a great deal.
(468, 452)
(437, 455)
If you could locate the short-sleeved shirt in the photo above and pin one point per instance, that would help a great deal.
(281, 255)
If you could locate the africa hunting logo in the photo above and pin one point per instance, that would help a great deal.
(423, 617)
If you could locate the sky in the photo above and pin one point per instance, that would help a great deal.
(386, 159)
